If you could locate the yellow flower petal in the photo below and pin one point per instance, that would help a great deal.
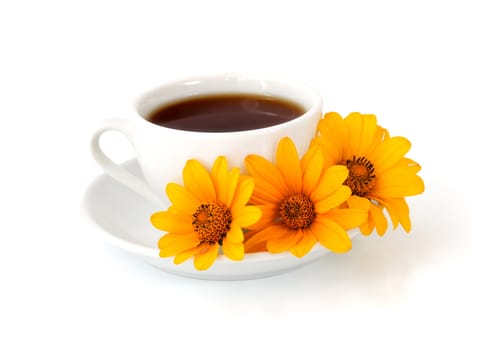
(198, 182)
(243, 192)
(203, 260)
(380, 135)
(331, 235)
(225, 183)
(308, 156)
(265, 192)
(159, 221)
(368, 226)
(355, 202)
(359, 203)
(330, 181)
(398, 211)
(287, 161)
(348, 218)
(362, 129)
(398, 182)
(232, 184)
(379, 219)
(334, 200)
(409, 163)
(235, 234)
(172, 222)
(269, 215)
(304, 245)
(258, 247)
(234, 251)
(256, 238)
(334, 116)
(172, 244)
(189, 253)
(388, 153)
(246, 216)
(334, 137)
(182, 199)
(312, 166)
(261, 169)
(283, 242)
(219, 177)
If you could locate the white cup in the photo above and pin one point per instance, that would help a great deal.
(162, 152)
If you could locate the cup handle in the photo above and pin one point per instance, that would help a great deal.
(117, 172)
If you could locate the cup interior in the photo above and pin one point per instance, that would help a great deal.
(293, 91)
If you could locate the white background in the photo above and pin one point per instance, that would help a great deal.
(430, 71)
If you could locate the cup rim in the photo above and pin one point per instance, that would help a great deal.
(314, 96)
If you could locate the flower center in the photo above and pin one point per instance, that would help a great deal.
(211, 221)
(361, 176)
(297, 211)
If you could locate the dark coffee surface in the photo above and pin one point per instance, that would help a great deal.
(229, 112)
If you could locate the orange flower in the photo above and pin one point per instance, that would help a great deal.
(379, 174)
(299, 201)
(210, 211)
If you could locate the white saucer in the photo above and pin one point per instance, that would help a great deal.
(123, 218)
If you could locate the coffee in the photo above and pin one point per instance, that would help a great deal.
(226, 112)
